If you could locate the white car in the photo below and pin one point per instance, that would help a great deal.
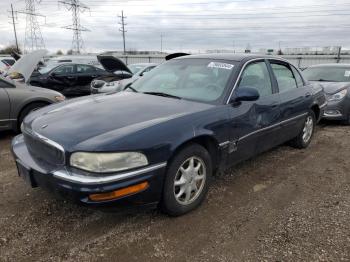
(138, 70)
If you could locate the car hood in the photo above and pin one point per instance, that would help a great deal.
(111, 63)
(331, 88)
(27, 63)
(116, 115)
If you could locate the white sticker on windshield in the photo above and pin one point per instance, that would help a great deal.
(220, 65)
(347, 74)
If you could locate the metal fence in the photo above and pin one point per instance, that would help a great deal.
(300, 61)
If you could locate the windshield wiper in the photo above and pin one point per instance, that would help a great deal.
(133, 89)
(162, 94)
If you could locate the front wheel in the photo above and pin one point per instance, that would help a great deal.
(304, 138)
(187, 180)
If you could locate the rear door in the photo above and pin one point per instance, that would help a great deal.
(5, 105)
(255, 123)
(296, 99)
(85, 74)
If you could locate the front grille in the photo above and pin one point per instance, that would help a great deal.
(43, 150)
(97, 83)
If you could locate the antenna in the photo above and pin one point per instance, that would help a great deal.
(76, 7)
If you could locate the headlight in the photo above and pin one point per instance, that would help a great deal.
(107, 162)
(60, 98)
(338, 96)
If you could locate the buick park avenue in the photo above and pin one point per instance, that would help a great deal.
(160, 141)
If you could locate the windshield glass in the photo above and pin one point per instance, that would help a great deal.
(135, 68)
(47, 68)
(327, 73)
(201, 80)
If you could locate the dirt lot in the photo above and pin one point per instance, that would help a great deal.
(285, 205)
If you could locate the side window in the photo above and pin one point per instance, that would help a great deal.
(284, 77)
(298, 77)
(85, 69)
(62, 70)
(257, 76)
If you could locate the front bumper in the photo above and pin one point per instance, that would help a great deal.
(337, 110)
(78, 187)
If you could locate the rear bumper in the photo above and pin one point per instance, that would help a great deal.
(78, 187)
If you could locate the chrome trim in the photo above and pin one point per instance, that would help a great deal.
(272, 126)
(89, 180)
(48, 141)
(3, 120)
(224, 143)
(245, 65)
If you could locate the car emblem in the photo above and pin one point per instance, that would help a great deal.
(44, 126)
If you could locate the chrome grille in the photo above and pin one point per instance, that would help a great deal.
(44, 149)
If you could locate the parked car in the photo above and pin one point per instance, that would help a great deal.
(68, 78)
(116, 67)
(335, 80)
(6, 62)
(18, 99)
(161, 140)
(138, 70)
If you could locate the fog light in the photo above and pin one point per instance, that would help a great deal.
(332, 112)
(119, 193)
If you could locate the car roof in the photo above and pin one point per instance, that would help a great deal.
(331, 65)
(230, 56)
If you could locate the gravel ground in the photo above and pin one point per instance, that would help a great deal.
(284, 205)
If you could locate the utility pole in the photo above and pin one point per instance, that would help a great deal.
(122, 29)
(339, 53)
(76, 7)
(161, 42)
(14, 27)
(33, 38)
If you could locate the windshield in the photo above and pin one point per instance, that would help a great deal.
(136, 68)
(47, 68)
(201, 80)
(327, 73)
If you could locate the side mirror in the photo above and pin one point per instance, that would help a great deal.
(53, 74)
(246, 94)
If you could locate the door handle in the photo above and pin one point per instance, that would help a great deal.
(307, 95)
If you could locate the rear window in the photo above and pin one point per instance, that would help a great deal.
(8, 62)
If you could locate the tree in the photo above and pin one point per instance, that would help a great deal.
(59, 52)
(9, 49)
(70, 52)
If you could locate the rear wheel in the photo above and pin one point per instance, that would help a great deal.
(28, 109)
(187, 180)
(304, 138)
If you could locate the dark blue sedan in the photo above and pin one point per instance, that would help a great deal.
(161, 140)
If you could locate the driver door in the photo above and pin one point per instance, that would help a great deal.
(254, 124)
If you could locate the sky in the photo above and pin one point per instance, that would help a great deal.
(188, 25)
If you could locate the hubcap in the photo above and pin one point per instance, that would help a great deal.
(189, 180)
(308, 129)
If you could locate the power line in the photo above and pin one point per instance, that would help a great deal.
(122, 29)
(76, 7)
(14, 26)
(33, 38)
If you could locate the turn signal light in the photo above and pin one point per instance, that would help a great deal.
(119, 193)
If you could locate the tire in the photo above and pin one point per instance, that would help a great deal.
(173, 202)
(305, 136)
(26, 110)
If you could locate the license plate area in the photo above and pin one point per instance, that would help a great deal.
(25, 173)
